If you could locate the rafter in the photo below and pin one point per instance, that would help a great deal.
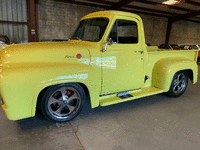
(125, 2)
(192, 2)
(121, 4)
(157, 4)
(112, 3)
(185, 16)
(83, 3)
(151, 10)
(101, 2)
(136, 9)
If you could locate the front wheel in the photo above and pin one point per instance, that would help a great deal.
(63, 102)
(179, 84)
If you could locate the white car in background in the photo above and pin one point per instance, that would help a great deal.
(191, 46)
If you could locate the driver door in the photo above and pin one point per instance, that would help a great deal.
(122, 62)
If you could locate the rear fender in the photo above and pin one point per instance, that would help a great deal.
(165, 69)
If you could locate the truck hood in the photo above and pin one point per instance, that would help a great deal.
(45, 52)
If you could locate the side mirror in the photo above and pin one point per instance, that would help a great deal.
(109, 41)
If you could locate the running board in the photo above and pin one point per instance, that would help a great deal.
(127, 96)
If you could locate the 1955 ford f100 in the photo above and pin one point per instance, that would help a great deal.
(106, 61)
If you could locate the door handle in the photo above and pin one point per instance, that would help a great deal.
(139, 52)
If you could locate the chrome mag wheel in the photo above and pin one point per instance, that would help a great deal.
(179, 84)
(63, 102)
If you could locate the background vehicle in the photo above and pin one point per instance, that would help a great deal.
(188, 46)
(106, 61)
(169, 46)
(191, 46)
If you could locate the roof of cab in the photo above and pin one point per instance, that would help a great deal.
(108, 13)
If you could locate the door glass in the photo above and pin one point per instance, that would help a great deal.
(124, 32)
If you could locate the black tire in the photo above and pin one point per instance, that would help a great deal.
(179, 84)
(61, 103)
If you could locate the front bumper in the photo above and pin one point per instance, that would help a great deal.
(14, 113)
(3, 105)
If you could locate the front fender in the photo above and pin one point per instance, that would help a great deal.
(165, 69)
(20, 87)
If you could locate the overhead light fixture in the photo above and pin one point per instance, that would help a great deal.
(171, 2)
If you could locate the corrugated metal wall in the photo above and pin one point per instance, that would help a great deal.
(16, 11)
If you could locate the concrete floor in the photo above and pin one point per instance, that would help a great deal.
(152, 123)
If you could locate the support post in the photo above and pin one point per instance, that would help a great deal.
(32, 21)
(169, 28)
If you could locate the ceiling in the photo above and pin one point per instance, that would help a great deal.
(185, 9)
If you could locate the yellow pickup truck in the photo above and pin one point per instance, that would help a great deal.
(106, 61)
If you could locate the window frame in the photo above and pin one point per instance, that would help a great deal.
(105, 18)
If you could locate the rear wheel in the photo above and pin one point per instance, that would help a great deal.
(179, 84)
(63, 102)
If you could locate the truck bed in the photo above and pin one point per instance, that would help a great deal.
(169, 56)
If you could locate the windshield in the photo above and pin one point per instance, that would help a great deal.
(91, 29)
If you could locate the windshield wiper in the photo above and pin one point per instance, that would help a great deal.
(79, 39)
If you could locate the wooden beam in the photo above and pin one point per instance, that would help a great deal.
(121, 4)
(32, 26)
(192, 2)
(158, 4)
(112, 3)
(101, 2)
(150, 10)
(129, 7)
(185, 16)
(144, 13)
(83, 3)
(169, 28)
(36, 20)
(13, 22)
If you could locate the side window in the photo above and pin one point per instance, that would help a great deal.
(124, 32)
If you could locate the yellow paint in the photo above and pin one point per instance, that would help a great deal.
(26, 69)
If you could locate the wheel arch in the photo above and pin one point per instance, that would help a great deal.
(190, 75)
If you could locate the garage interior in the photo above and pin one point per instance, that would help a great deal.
(152, 123)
